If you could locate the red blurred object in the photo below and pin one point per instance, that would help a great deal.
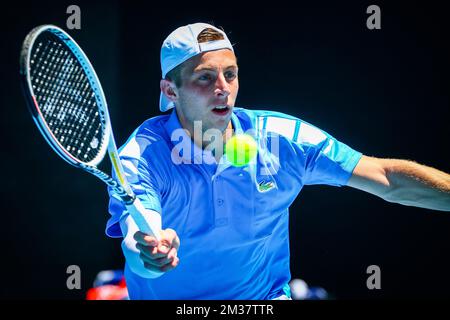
(109, 292)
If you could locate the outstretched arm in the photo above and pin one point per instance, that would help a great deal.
(403, 181)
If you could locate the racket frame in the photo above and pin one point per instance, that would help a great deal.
(121, 187)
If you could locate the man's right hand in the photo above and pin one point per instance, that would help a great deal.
(158, 256)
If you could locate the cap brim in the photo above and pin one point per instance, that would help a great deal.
(164, 103)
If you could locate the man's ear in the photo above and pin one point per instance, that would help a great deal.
(169, 89)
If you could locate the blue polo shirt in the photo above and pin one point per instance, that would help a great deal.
(232, 221)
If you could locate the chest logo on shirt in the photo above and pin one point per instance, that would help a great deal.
(264, 186)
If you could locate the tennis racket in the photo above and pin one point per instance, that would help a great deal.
(68, 105)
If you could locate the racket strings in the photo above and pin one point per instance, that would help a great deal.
(65, 97)
(69, 74)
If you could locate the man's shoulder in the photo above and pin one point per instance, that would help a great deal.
(292, 128)
(154, 126)
(150, 134)
(269, 121)
(255, 113)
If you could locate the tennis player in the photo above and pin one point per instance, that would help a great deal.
(225, 227)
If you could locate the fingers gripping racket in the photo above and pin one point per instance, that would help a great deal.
(69, 107)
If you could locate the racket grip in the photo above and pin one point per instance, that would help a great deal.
(148, 221)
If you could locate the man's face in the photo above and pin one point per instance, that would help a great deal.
(209, 82)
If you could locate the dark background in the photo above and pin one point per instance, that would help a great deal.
(383, 92)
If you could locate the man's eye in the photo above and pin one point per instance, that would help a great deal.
(230, 75)
(205, 77)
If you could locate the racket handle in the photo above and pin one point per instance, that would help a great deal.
(148, 221)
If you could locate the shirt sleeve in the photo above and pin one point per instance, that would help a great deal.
(317, 156)
(142, 180)
(327, 160)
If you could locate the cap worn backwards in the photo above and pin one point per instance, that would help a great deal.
(182, 45)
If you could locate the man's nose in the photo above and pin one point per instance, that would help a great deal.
(222, 87)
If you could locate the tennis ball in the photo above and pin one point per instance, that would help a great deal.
(241, 149)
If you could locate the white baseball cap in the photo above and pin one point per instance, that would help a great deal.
(182, 45)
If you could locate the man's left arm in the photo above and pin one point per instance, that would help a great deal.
(403, 181)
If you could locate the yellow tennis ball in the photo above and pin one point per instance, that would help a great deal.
(241, 149)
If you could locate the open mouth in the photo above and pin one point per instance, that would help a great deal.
(221, 110)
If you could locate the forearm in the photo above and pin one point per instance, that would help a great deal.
(131, 253)
(417, 185)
